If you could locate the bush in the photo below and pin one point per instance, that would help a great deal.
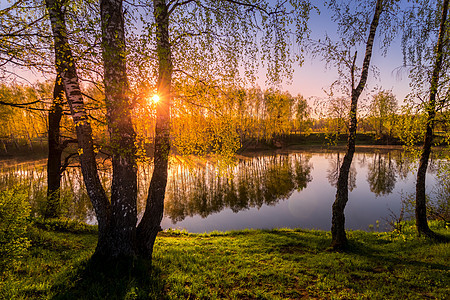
(65, 225)
(14, 212)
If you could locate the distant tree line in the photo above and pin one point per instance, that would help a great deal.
(253, 115)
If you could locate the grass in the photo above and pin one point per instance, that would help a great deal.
(249, 264)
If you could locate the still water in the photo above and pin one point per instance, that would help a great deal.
(265, 190)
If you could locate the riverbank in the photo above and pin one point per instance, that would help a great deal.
(249, 264)
(317, 141)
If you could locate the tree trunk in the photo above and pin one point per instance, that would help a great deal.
(65, 67)
(150, 224)
(52, 209)
(339, 238)
(122, 135)
(29, 138)
(4, 146)
(381, 128)
(421, 208)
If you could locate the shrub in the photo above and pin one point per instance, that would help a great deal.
(14, 212)
(65, 225)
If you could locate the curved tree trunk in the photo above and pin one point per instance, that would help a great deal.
(150, 224)
(339, 238)
(421, 208)
(52, 209)
(65, 68)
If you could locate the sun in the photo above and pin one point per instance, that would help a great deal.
(155, 98)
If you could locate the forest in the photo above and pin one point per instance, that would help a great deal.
(110, 92)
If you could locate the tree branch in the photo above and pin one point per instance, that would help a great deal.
(254, 6)
(177, 3)
(353, 70)
(20, 105)
(66, 162)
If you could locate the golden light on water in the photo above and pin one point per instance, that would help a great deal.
(155, 98)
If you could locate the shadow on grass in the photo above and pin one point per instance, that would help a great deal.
(387, 258)
(314, 241)
(123, 279)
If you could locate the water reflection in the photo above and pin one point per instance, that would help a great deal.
(381, 174)
(335, 162)
(260, 191)
(251, 183)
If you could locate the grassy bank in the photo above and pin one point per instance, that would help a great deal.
(252, 264)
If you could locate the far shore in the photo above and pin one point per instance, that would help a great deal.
(316, 142)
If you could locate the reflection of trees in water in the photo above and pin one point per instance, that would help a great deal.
(33, 177)
(251, 183)
(434, 164)
(439, 205)
(403, 164)
(381, 174)
(362, 159)
(30, 176)
(383, 169)
(191, 190)
(335, 162)
(75, 198)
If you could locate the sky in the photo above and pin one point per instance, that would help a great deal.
(312, 78)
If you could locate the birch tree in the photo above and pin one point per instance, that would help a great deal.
(358, 24)
(66, 68)
(427, 54)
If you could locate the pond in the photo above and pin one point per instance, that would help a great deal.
(267, 190)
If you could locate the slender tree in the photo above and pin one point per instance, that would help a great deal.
(66, 68)
(430, 108)
(54, 164)
(425, 45)
(151, 220)
(339, 238)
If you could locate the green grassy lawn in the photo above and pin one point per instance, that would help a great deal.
(250, 264)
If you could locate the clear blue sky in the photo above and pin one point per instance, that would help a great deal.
(310, 79)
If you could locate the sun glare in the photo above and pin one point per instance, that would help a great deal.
(155, 98)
